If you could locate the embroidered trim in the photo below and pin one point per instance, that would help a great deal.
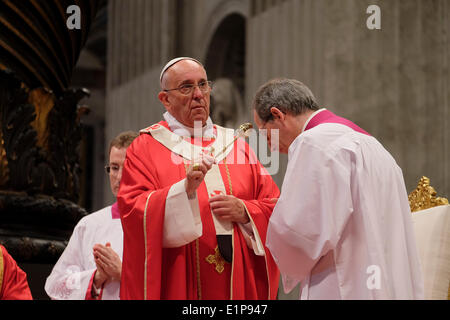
(185, 149)
(197, 255)
(216, 259)
(232, 232)
(228, 176)
(145, 245)
(232, 267)
(257, 237)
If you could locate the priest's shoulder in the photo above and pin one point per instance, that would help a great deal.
(324, 135)
(145, 135)
(98, 216)
(154, 126)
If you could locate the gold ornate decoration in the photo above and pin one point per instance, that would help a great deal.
(245, 127)
(145, 244)
(40, 129)
(241, 132)
(43, 101)
(197, 257)
(228, 176)
(216, 259)
(424, 196)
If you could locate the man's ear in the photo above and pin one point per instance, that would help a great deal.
(277, 113)
(163, 97)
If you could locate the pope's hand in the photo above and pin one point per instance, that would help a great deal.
(228, 208)
(196, 173)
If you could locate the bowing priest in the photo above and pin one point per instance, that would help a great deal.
(194, 204)
(342, 226)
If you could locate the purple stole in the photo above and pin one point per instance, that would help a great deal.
(115, 211)
(326, 116)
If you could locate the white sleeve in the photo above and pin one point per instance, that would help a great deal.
(250, 233)
(182, 222)
(69, 280)
(311, 212)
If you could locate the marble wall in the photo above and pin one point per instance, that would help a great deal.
(394, 82)
(141, 38)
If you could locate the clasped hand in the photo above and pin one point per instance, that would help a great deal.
(108, 262)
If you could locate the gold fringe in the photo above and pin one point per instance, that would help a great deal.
(197, 256)
(145, 245)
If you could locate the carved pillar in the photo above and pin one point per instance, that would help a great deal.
(40, 127)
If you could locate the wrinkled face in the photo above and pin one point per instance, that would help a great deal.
(186, 108)
(116, 160)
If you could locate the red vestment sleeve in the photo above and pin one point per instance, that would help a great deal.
(260, 210)
(14, 281)
(139, 192)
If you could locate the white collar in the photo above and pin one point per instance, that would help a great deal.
(181, 130)
(312, 116)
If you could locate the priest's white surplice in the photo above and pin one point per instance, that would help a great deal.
(342, 226)
(71, 275)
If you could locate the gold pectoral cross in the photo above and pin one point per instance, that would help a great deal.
(217, 259)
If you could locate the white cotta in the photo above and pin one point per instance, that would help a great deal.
(342, 226)
(70, 277)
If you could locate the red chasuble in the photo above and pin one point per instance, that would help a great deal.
(13, 281)
(195, 270)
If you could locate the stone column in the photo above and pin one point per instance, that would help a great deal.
(141, 38)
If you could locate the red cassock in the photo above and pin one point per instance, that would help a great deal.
(195, 270)
(13, 281)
